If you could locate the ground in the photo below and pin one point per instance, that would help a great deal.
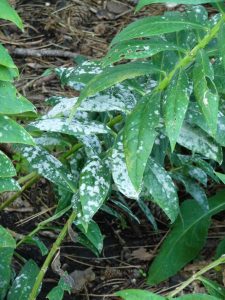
(82, 28)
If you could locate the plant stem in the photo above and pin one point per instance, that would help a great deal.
(33, 179)
(50, 256)
(194, 277)
(191, 55)
(26, 177)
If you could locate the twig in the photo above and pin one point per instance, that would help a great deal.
(43, 52)
(50, 256)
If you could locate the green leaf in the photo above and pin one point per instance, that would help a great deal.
(120, 172)
(220, 250)
(197, 297)
(11, 103)
(94, 186)
(48, 166)
(205, 90)
(74, 128)
(6, 59)
(139, 136)
(143, 3)
(11, 132)
(111, 76)
(176, 101)
(8, 184)
(136, 49)
(221, 176)
(6, 74)
(185, 240)
(56, 293)
(7, 13)
(34, 240)
(7, 169)
(197, 141)
(159, 184)
(213, 288)
(24, 282)
(132, 294)
(221, 46)
(7, 246)
(156, 25)
(93, 234)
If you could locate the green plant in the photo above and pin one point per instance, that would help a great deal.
(137, 130)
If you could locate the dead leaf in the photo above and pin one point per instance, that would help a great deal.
(142, 254)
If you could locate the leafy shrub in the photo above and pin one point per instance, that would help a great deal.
(138, 129)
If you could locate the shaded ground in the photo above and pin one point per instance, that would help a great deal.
(86, 28)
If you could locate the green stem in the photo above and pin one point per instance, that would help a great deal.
(194, 277)
(50, 256)
(191, 55)
(26, 177)
(33, 179)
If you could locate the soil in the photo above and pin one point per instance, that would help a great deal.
(83, 28)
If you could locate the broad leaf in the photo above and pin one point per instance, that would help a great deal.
(155, 25)
(159, 184)
(7, 246)
(6, 59)
(221, 176)
(139, 136)
(185, 240)
(143, 3)
(197, 141)
(176, 101)
(11, 132)
(119, 171)
(94, 187)
(205, 90)
(11, 103)
(138, 295)
(48, 166)
(7, 13)
(221, 46)
(24, 282)
(7, 169)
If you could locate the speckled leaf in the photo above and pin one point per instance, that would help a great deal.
(221, 46)
(24, 282)
(94, 187)
(136, 49)
(185, 240)
(93, 234)
(143, 3)
(71, 128)
(8, 184)
(111, 76)
(139, 136)
(11, 132)
(159, 184)
(11, 103)
(7, 246)
(119, 171)
(48, 166)
(197, 141)
(176, 101)
(155, 25)
(205, 89)
(7, 13)
(133, 294)
(91, 144)
(6, 166)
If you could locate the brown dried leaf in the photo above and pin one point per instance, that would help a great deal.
(142, 254)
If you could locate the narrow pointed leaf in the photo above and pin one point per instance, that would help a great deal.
(175, 105)
(6, 59)
(185, 240)
(213, 288)
(159, 184)
(221, 46)
(6, 166)
(139, 136)
(205, 90)
(197, 297)
(8, 13)
(138, 295)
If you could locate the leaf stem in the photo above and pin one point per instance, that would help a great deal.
(191, 55)
(50, 256)
(194, 277)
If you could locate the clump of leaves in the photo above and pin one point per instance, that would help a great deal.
(138, 129)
